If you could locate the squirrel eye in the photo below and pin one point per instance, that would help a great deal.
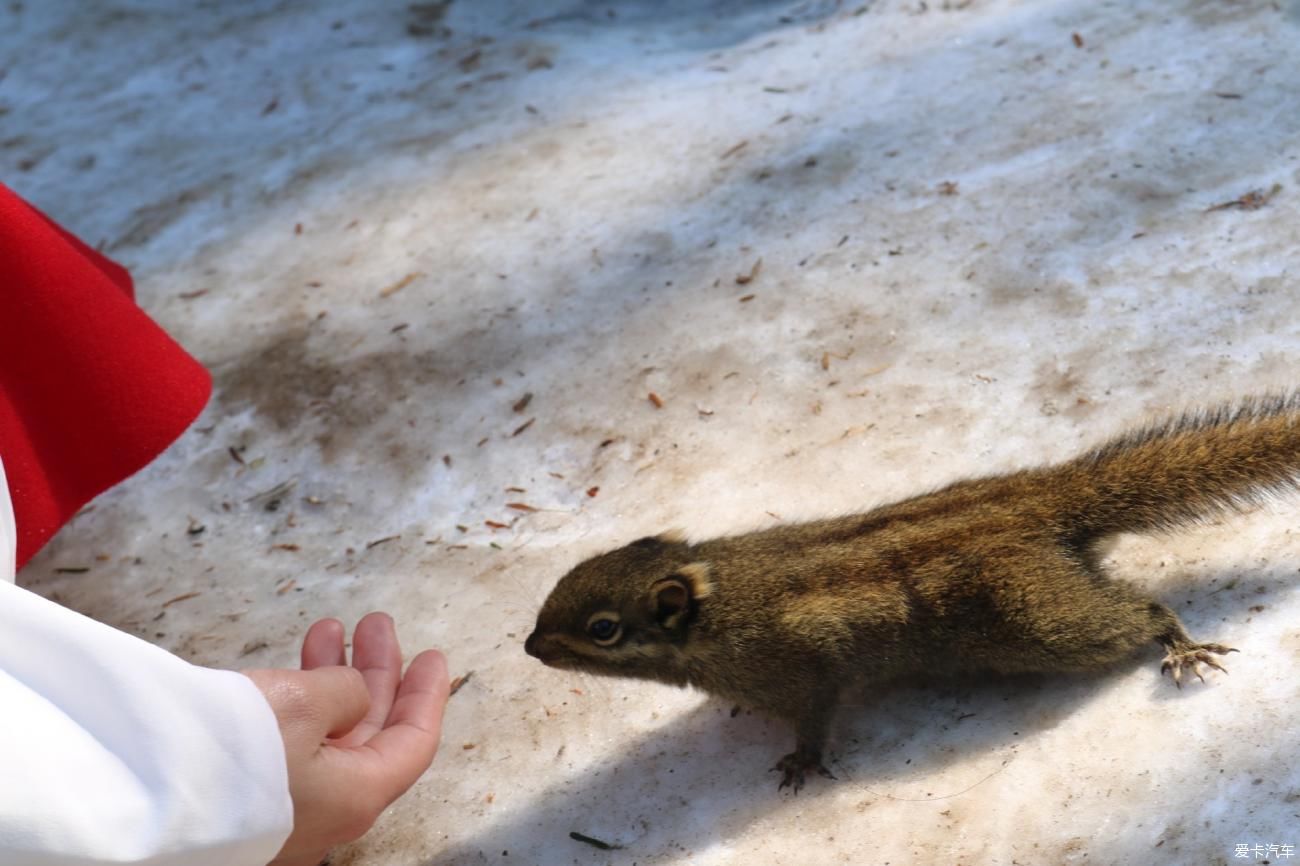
(604, 630)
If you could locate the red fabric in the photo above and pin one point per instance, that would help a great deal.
(91, 389)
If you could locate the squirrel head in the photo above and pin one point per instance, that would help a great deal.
(626, 613)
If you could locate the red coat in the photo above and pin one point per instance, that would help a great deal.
(91, 389)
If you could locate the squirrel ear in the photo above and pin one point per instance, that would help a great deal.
(674, 598)
(671, 600)
(663, 539)
(696, 576)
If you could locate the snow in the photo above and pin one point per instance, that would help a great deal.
(984, 243)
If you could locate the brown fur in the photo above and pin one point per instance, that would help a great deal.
(996, 574)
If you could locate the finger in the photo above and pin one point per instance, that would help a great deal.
(339, 696)
(376, 653)
(423, 693)
(403, 750)
(323, 645)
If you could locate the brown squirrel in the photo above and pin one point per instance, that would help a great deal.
(992, 574)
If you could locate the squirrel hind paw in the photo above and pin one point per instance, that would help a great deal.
(794, 768)
(1190, 657)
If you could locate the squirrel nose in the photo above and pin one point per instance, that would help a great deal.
(530, 645)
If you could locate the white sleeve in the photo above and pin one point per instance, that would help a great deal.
(113, 751)
(8, 534)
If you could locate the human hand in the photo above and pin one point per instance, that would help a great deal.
(355, 737)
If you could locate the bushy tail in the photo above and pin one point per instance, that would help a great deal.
(1183, 470)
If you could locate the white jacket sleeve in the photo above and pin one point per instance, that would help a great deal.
(113, 751)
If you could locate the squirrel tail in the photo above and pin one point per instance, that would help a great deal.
(1182, 470)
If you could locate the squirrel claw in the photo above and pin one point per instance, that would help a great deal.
(1191, 657)
(794, 766)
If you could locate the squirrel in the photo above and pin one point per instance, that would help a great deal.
(998, 574)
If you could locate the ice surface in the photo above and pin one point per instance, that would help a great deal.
(987, 239)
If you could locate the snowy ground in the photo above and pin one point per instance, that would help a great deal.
(988, 237)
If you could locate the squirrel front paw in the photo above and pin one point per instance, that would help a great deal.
(795, 765)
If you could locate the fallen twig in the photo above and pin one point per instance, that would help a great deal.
(595, 843)
(1253, 200)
